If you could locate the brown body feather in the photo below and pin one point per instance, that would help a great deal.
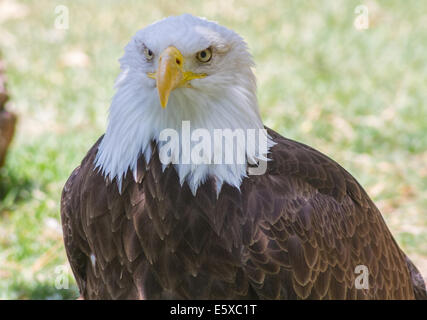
(296, 232)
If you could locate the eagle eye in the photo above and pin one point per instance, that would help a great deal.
(204, 55)
(149, 55)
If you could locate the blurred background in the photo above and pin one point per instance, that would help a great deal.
(357, 93)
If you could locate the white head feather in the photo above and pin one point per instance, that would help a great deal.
(226, 98)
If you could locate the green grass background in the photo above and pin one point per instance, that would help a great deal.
(358, 96)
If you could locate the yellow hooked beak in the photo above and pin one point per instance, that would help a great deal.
(171, 75)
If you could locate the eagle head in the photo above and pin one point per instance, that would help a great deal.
(181, 69)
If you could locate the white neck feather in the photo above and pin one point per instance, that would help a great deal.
(136, 119)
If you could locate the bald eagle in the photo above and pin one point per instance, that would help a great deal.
(142, 223)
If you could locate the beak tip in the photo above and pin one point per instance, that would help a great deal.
(163, 103)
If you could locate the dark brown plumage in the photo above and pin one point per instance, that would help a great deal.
(296, 232)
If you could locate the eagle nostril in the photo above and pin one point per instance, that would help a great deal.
(178, 62)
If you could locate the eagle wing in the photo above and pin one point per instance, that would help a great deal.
(94, 235)
(72, 240)
(316, 230)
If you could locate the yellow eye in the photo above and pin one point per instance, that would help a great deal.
(148, 54)
(204, 55)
